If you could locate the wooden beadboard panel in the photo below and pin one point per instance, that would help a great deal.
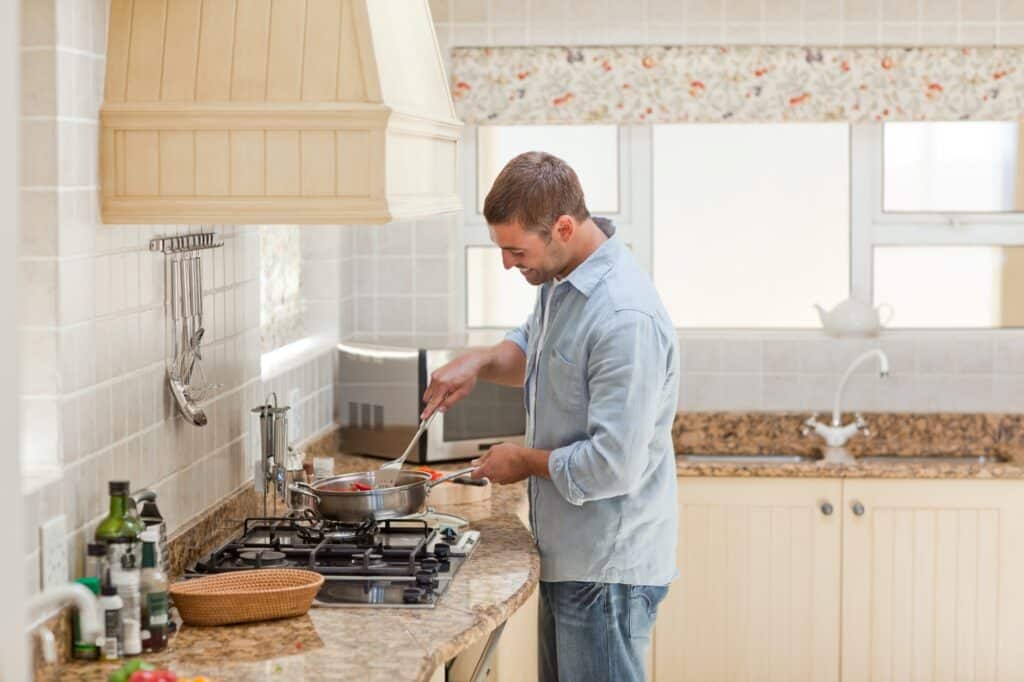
(213, 165)
(142, 163)
(119, 36)
(249, 210)
(320, 61)
(177, 163)
(146, 50)
(420, 165)
(248, 158)
(180, 55)
(757, 596)
(287, 39)
(356, 176)
(216, 36)
(318, 163)
(283, 162)
(217, 103)
(931, 587)
(409, 78)
(249, 60)
(351, 86)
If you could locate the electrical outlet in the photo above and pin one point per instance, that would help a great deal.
(53, 548)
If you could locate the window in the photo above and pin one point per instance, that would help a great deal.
(951, 286)
(961, 166)
(748, 225)
(495, 297)
(592, 151)
(751, 222)
(280, 286)
(939, 233)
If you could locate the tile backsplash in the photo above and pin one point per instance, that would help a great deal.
(791, 22)
(930, 372)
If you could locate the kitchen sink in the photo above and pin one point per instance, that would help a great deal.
(943, 460)
(747, 459)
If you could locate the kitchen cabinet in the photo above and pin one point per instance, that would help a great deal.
(757, 596)
(932, 580)
(855, 580)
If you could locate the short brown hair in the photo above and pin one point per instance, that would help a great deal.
(534, 189)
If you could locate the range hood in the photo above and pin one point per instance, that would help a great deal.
(275, 111)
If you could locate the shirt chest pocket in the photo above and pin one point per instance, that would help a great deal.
(567, 379)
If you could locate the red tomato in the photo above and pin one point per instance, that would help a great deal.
(153, 676)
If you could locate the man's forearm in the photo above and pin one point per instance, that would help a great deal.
(504, 363)
(535, 462)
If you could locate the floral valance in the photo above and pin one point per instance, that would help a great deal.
(645, 84)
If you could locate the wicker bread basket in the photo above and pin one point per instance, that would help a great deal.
(246, 596)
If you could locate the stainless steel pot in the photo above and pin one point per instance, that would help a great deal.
(333, 498)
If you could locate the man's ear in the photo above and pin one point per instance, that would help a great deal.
(565, 227)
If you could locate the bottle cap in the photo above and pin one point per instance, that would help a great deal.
(92, 583)
(119, 487)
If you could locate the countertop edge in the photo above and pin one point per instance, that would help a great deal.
(488, 618)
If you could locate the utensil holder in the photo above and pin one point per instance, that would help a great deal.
(184, 283)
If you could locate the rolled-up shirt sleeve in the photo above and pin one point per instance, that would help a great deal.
(626, 373)
(520, 335)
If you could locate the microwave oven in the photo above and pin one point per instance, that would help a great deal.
(380, 390)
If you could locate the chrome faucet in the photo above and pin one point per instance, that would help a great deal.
(71, 593)
(835, 434)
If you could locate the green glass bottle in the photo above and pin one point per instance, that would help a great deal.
(120, 532)
(120, 525)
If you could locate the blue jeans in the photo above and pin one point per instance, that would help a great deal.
(591, 632)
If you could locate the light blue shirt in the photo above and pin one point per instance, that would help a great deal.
(601, 395)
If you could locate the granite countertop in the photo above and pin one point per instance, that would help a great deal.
(370, 644)
(914, 468)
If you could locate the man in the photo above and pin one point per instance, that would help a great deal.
(599, 362)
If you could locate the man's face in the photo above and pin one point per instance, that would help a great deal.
(538, 257)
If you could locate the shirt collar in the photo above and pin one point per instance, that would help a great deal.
(590, 272)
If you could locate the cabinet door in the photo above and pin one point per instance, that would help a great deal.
(932, 580)
(757, 596)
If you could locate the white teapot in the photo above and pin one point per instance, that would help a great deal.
(854, 317)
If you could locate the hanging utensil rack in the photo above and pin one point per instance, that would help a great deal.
(184, 284)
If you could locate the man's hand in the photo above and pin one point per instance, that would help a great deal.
(507, 463)
(451, 383)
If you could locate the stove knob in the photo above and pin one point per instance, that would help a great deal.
(430, 564)
(441, 550)
(426, 579)
(444, 566)
(412, 595)
(449, 534)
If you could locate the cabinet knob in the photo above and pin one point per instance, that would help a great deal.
(826, 508)
(858, 508)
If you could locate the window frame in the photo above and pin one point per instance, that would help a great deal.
(870, 225)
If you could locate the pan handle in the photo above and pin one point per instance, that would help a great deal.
(449, 477)
(295, 488)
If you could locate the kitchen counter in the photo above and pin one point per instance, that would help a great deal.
(370, 643)
(941, 468)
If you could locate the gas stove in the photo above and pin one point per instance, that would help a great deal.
(399, 562)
